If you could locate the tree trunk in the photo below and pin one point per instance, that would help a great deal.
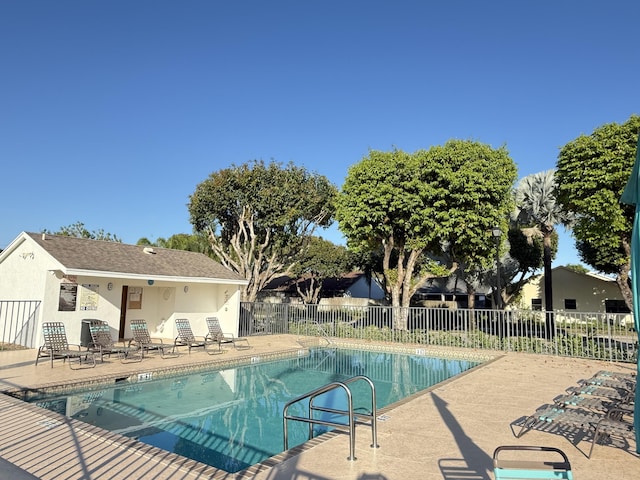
(248, 257)
(311, 294)
(622, 279)
(548, 286)
(471, 296)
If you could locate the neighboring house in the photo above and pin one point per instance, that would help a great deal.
(77, 279)
(450, 292)
(352, 285)
(575, 292)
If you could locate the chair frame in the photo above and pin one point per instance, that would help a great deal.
(614, 424)
(56, 346)
(529, 469)
(103, 343)
(147, 343)
(186, 338)
(601, 406)
(217, 335)
(550, 417)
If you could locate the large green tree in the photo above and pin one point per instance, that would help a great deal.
(591, 174)
(79, 230)
(258, 217)
(318, 262)
(419, 206)
(474, 196)
(181, 241)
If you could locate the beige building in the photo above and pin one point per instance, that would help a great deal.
(575, 292)
(75, 279)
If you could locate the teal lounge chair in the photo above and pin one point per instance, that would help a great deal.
(103, 344)
(143, 339)
(548, 463)
(590, 402)
(186, 337)
(555, 419)
(613, 394)
(56, 346)
(618, 423)
(217, 335)
(626, 384)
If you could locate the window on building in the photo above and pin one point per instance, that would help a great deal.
(570, 304)
(616, 306)
(536, 304)
(481, 302)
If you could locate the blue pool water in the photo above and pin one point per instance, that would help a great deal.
(233, 418)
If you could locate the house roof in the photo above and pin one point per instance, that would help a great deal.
(105, 258)
(329, 286)
(596, 275)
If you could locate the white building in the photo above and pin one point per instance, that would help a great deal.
(74, 279)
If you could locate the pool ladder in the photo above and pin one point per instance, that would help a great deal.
(321, 330)
(353, 417)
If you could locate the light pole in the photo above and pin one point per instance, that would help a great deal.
(497, 234)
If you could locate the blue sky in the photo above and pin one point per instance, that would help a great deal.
(111, 112)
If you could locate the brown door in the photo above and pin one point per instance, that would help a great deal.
(123, 311)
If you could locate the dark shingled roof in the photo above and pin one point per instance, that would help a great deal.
(105, 256)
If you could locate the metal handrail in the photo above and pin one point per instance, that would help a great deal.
(353, 417)
(321, 330)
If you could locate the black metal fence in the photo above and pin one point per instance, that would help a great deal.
(18, 321)
(602, 336)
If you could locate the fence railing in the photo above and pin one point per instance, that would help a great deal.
(602, 336)
(18, 320)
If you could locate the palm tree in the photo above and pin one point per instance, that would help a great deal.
(538, 212)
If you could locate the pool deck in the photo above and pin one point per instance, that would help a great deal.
(448, 432)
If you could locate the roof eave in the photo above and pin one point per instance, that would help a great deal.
(155, 278)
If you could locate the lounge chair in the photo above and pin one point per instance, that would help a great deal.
(186, 338)
(217, 335)
(102, 343)
(626, 384)
(552, 418)
(550, 462)
(617, 423)
(614, 394)
(590, 402)
(619, 375)
(56, 346)
(143, 339)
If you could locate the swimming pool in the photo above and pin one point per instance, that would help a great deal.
(231, 418)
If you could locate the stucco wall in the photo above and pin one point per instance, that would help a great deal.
(23, 273)
(27, 272)
(589, 292)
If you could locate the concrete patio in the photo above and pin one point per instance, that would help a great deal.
(448, 432)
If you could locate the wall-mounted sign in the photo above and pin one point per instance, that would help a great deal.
(135, 298)
(68, 296)
(89, 296)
